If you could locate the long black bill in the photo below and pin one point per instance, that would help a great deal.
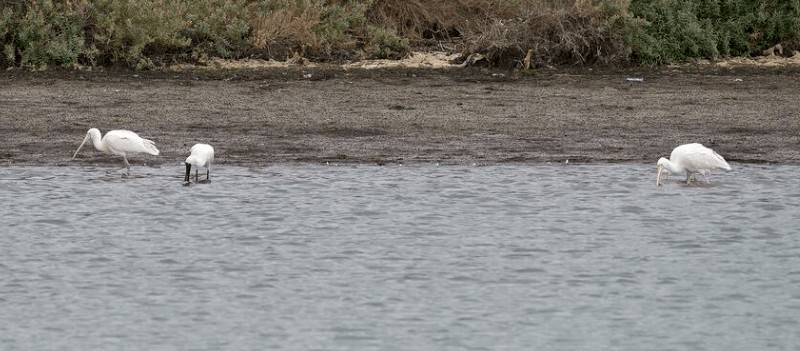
(188, 170)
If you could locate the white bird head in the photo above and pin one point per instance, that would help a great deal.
(662, 163)
(90, 134)
(191, 159)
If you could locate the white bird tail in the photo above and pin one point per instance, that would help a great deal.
(722, 163)
(150, 146)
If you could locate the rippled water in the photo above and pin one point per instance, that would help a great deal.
(301, 257)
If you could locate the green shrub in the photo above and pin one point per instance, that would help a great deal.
(676, 30)
(337, 26)
(43, 33)
(218, 28)
(141, 34)
(673, 32)
(7, 31)
(386, 44)
(779, 22)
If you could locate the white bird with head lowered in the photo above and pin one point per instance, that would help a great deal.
(201, 156)
(119, 142)
(690, 158)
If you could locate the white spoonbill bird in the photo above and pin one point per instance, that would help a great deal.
(690, 158)
(119, 142)
(201, 156)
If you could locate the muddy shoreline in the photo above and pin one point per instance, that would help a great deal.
(474, 115)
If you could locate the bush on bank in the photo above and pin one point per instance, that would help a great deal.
(146, 34)
(677, 30)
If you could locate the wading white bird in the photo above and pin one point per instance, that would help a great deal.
(119, 142)
(201, 156)
(692, 159)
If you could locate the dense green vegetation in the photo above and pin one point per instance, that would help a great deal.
(676, 30)
(146, 34)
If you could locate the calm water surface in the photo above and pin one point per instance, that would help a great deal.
(302, 257)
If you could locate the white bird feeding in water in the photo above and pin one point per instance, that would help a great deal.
(692, 159)
(201, 156)
(119, 142)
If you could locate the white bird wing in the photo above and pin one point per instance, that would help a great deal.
(126, 142)
(703, 160)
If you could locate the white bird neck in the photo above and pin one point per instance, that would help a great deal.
(97, 140)
(670, 166)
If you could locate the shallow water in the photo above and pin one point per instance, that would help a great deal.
(301, 257)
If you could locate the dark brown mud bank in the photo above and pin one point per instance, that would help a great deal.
(255, 118)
